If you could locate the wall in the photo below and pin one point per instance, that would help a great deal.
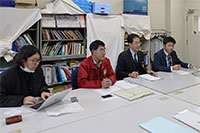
(177, 25)
(156, 10)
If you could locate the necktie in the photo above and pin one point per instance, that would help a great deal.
(169, 60)
(135, 57)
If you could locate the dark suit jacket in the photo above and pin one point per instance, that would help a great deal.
(126, 64)
(160, 63)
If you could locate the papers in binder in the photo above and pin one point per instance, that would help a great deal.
(189, 118)
(162, 125)
(48, 21)
(149, 77)
(133, 93)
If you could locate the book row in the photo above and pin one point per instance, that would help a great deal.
(22, 40)
(56, 73)
(49, 34)
(63, 49)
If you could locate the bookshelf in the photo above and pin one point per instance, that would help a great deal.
(62, 40)
(62, 37)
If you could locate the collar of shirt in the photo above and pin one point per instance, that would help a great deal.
(165, 52)
(133, 53)
(97, 64)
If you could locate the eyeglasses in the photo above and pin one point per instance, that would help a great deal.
(35, 61)
(136, 43)
(102, 50)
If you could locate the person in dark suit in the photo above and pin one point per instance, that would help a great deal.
(166, 59)
(130, 62)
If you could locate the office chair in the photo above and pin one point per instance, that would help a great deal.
(75, 79)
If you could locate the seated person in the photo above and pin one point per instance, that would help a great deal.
(130, 62)
(21, 83)
(96, 70)
(166, 58)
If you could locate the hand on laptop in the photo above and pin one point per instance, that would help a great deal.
(45, 95)
(29, 100)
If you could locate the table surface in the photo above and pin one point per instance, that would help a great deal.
(168, 83)
(128, 118)
(90, 101)
(190, 95)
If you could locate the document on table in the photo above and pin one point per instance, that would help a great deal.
(162, 125)
(106, 91)
(180, 72)
(149, 77)
(197, 73)
(189, 118)
(133, 93)
(63, 109)
(124, 84)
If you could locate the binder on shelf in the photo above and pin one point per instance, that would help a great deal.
(48, 21)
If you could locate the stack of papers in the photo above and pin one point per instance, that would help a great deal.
(63, 109)
(162, 125)
(133, 93)
(119, 85)
(188, 118)
(149, 77)
(180, 72)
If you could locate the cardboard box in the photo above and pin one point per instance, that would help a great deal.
(24, 5)
(32, 2)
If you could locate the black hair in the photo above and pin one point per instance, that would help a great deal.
(24, 53)
(95, 44)
(169, 39)
(131, 37)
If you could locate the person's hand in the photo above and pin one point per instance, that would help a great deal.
(45, 95)
(152, 72)
(106, 83)
(176, 67)
(133, 74)
(192, 66)
(29, 100)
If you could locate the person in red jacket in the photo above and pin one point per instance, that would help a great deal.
(96, 70)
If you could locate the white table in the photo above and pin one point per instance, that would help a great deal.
(90, 100)
(170, 82)
(127, 118)
(190, 95)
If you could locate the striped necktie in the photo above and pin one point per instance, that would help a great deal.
(169, 58)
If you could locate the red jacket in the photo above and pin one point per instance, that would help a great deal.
(89, 76)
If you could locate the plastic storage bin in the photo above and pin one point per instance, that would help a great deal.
(136, 7)
(7, 3)
(100, 8)
(85, 5)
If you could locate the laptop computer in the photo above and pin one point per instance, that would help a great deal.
(49, 101)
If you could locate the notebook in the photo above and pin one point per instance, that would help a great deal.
(189, 118)
(50, 101)
(162, 125)
(133, 93)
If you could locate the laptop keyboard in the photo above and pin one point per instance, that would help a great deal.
(37, 105)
